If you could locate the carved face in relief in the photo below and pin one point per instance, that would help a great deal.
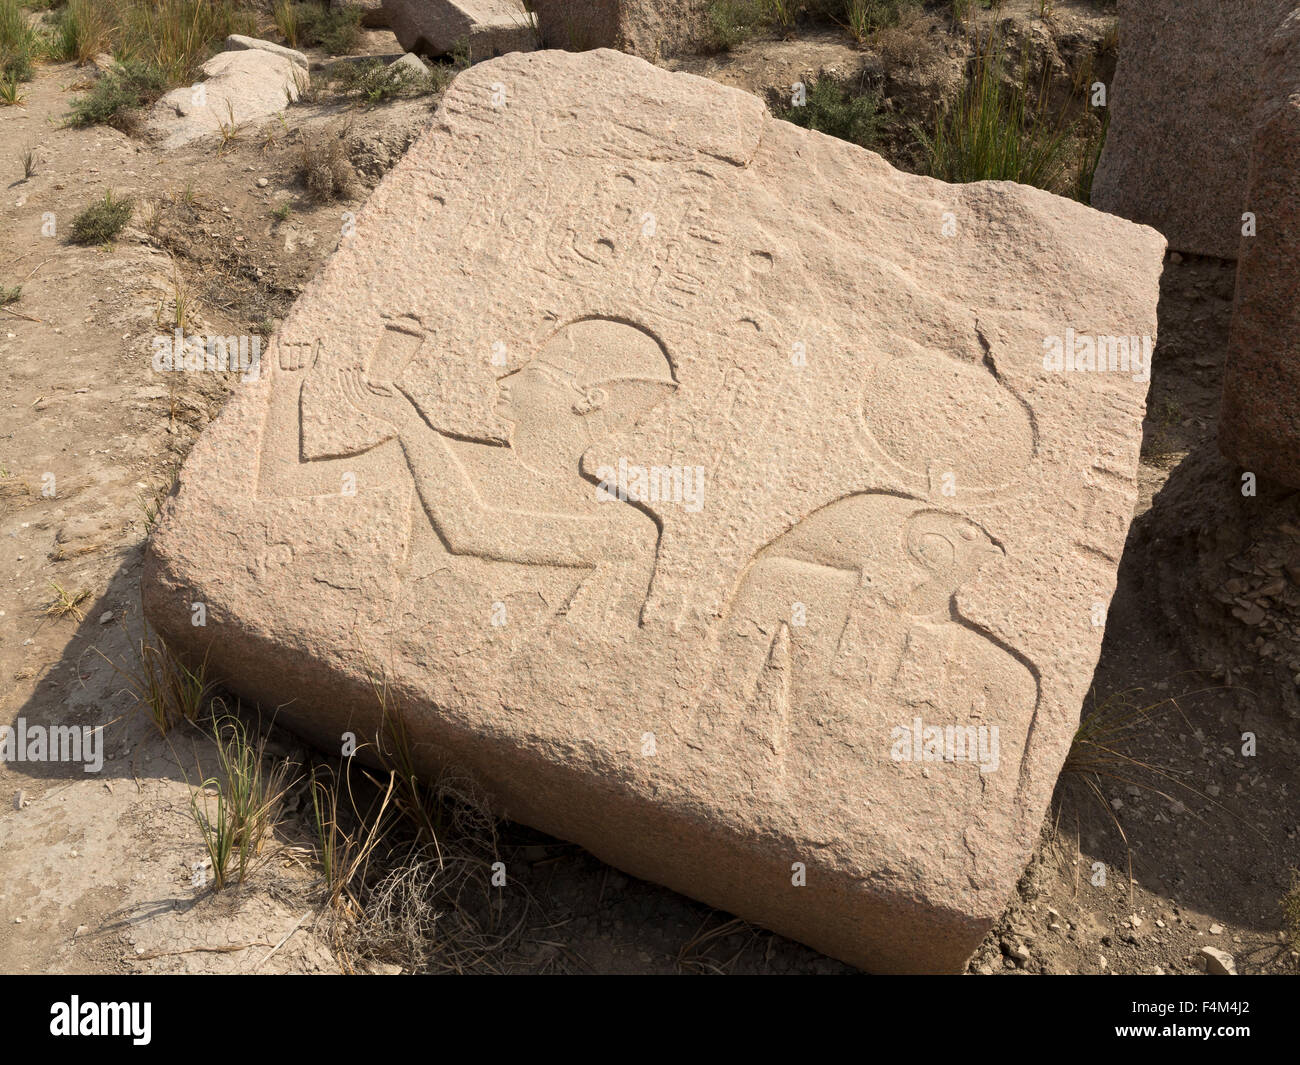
(593, 378)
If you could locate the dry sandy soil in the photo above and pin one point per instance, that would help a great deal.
(96, 870)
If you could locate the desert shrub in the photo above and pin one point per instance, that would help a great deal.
(337, 30)
(833, 108)
(116, 97)
(376, 81)
(323, 165)
(731, 23)
(102, 221)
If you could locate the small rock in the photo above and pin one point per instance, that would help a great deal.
(1216, 929)
(262, 183)
(105, 617)
(1218, 962)
(20, 799)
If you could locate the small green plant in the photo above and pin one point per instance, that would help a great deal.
(101, 222)
(118, 95)
(150, 508)
(238, 809)
(29, 159)
(162, 684)
(731, 23)
(175, 37)
(10, 295)
(10, 94)
(832, 108)
(376, 82)
(780, 13)
(413, 799)
(228, 128)
(281, 212)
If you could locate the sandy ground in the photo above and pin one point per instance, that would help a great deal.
(97, 871)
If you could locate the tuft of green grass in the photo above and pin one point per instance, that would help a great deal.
(10, 295)
(862, 18)
(175, 37)
(237, 809)
(287, 22)
(997, 131)
(84, 29)
(170, 690)
(18, 42)
(346, 836)
(833, 108)
(281, 212)
(103, 221)
(1089, 156)
(10, 94)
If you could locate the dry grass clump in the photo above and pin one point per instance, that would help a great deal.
(411, 867)
(324, 166)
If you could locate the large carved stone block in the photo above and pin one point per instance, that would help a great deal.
(724, 499)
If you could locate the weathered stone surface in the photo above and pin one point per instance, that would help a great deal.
(1182, 105)
(1259, 423)
(653, 29)
(438, 27)
(238, 42)
(242, 85)
(872, 506)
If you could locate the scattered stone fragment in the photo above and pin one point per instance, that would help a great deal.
(239, 87)
(238, 42)
(652, 29)
(439, 27)
(1218, 962)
